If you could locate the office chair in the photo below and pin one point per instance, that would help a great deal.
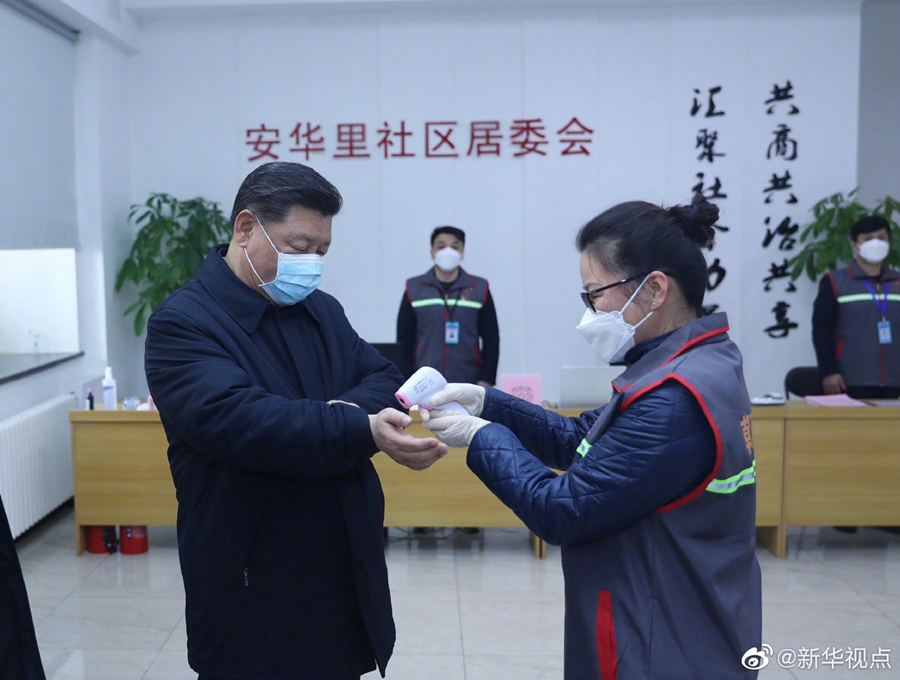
(803, 381)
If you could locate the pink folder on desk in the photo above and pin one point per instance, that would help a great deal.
(527, 387)
(834, 400)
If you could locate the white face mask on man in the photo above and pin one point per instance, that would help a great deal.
(874, 250)
(608, 332)
(447, 259)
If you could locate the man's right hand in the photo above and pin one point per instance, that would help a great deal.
(413, 452)
(833, 384)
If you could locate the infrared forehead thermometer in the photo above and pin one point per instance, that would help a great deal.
(419, 388)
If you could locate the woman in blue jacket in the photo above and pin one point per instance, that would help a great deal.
(656, 510)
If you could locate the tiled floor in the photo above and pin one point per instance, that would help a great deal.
(473, 607)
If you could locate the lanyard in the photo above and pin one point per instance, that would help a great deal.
(882, 306)
(452, 309)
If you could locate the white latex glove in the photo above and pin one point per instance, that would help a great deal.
(470, 397)
(452, 428)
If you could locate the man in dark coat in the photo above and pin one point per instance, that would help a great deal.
(19, 655)
(269, 401)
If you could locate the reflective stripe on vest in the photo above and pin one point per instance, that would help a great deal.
(732, 484)
(865, 297)
(583, 448)
(427, 302)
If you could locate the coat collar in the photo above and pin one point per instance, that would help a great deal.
(712, 328)
(887, 274)
(243, 304)
(464, 280)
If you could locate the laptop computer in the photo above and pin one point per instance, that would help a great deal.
(586, 386)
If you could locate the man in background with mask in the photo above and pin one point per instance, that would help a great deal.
(447, 318)
(856, 316)
(268, 398)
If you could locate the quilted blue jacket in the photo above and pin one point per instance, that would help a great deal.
(661, 448)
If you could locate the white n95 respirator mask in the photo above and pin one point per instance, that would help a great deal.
(608, 332)
(874, 251)
(447, 259)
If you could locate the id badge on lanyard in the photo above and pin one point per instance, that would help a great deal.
(884, 326)
(884, 332)
(451, 332)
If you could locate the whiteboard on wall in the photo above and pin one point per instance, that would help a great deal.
(640, 90)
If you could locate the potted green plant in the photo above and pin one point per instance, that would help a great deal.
(827, 237)
(172, 242)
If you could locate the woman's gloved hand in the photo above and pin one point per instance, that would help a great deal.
(452, 428)
(470, 397)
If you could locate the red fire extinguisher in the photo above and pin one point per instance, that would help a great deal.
(133, 540)
(102, 539)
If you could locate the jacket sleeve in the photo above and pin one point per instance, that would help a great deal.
(547, 435)
(660, 448)
(214, 406)
(406, 334)
(377, 379)
(489, 332)
(824, 323)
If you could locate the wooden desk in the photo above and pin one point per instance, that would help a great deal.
(815, 466)
(768, 443)
(122, 476)
(842, 466)
(447, 494)
(121, 470)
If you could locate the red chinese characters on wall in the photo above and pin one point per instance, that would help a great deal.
(484, 138)
(308, 141)
(387, 144)
(351, 140)
(262, 140)
(436, 139)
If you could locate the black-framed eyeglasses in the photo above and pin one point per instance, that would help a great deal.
(588, 297)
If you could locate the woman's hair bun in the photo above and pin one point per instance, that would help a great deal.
(697, 219)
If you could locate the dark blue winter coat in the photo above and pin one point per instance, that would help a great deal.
(280, 509)
(655, 513)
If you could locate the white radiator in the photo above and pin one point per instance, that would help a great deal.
(36, 462)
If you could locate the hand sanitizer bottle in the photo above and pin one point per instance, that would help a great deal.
(110, 399)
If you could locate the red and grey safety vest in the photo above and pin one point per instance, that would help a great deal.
(862, 359)
(678, 594)
(457, 361)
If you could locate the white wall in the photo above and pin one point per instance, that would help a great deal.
(43, 314)
(627, 73)
(879, 102)
(102, 192)
(104, 196)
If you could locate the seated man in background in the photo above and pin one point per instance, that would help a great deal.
(855, 314)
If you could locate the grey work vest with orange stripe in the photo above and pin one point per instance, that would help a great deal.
(677, 595)
(862, 360)
(457, 362)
